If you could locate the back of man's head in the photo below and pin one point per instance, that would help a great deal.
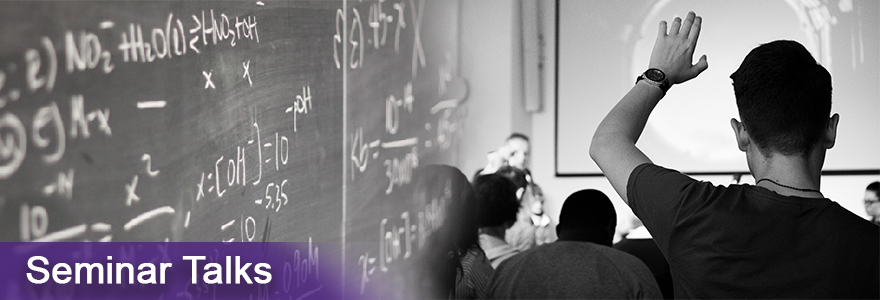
(498, 202)
(874, 187)
(517, 135)
(587, 216)
(516, 175)
(784, 98)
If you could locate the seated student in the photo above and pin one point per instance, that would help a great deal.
(581, 264)
(779, 238)
(639, 243)
(521, 235)
(450, 264)
(532, 227)
(497, 212)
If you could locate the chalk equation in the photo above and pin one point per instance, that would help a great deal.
(382, 17)
(399, 239)
(44, 127)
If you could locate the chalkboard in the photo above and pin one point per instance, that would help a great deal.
(232, 121)
(401, 114)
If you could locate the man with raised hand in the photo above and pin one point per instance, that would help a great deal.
(779, 238)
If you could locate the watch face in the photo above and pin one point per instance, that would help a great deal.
(655, 75)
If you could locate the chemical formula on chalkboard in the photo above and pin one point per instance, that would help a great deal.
(246, 121)
(158, 111)
(401, 115)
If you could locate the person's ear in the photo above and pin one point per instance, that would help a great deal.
(742, 137)
(831, 131)
(519, 193)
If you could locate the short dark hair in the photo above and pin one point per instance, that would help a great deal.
(516, 175)
(587, 216)
(874, 187)
(498, 202)
(517, 135)
(783, 96)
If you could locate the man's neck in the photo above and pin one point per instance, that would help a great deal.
(492, 237)
(790, 175)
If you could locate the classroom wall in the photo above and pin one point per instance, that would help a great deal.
(490, 63)
(556, 189)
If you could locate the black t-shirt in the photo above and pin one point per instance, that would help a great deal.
(744, 241)
(573, 270)
(647, 251)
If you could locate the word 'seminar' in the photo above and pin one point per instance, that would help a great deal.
(214, 274)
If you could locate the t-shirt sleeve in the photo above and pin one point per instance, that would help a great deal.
(658, 197)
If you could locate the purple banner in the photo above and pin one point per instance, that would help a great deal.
(171, 271)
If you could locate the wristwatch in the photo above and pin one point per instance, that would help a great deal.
(656, 78)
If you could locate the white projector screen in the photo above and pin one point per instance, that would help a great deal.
(602, 46)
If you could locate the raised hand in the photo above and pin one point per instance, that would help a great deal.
(674, 50)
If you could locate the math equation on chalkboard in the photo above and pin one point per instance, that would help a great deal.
(233, 121)
(168, 120)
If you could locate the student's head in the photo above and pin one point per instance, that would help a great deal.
(872, 199)
(587, 216)
(517, 176)
(498, 203)
(449, 231)
(784, 101)
(518, 144)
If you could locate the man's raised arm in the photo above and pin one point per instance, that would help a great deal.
(613, 147)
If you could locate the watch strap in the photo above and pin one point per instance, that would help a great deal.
(663, 85)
